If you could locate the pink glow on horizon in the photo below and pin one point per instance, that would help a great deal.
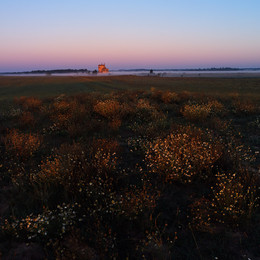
(118, 54)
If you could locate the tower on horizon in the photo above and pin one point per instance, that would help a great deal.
(102, 68)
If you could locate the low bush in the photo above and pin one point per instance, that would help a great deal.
(29, 103)
(196, 113)
(245, 107)
(182, 155)
(109, 109)
(22, 145)
(234, 200)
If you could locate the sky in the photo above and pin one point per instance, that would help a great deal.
(52, 34)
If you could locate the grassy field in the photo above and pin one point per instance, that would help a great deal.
(129, 168)
(11, 87)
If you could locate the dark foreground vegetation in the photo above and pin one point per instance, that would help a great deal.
(130, 175)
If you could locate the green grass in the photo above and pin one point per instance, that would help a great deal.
(17, 86)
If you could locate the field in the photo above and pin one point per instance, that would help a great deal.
(128, 167)
(11, 87)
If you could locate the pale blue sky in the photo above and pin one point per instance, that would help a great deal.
(127, 34)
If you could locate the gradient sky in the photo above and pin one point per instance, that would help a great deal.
(50, 34)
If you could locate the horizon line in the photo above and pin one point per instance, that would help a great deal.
(144, 69)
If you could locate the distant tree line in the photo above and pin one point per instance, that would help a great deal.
(53, 71)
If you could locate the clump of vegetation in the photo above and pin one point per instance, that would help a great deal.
(21, 144)
(234, 198)
(196, 112)
(130, 175)
(108, 108)
(182, 155)
(232, 203)
(29, 103)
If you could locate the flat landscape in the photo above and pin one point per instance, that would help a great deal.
(127, 167)
(45, 86)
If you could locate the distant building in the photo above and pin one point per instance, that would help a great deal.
(102, 68)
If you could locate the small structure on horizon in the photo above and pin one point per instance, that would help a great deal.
(102, 68)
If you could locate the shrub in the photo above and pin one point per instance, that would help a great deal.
(66, 167)
(233, 202)
(181, 156)
(138, 200)
(234, 199)
(156, 94)
(147, 120)
(219, 124)
(49, 224)
(245, 107)
(72, 168)
(202, 215)
(62, 120)
(22, 145)
(69, 115)
(29, 103)
(145, 104)
(60, 114)
(196, 113)
(216, 107)
(109, 108)
(51, 170)
(169, 97)
(27, 119)
(61, 106)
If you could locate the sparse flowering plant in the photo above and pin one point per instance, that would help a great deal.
(196, 112)
(22, 145)
(181, 156)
